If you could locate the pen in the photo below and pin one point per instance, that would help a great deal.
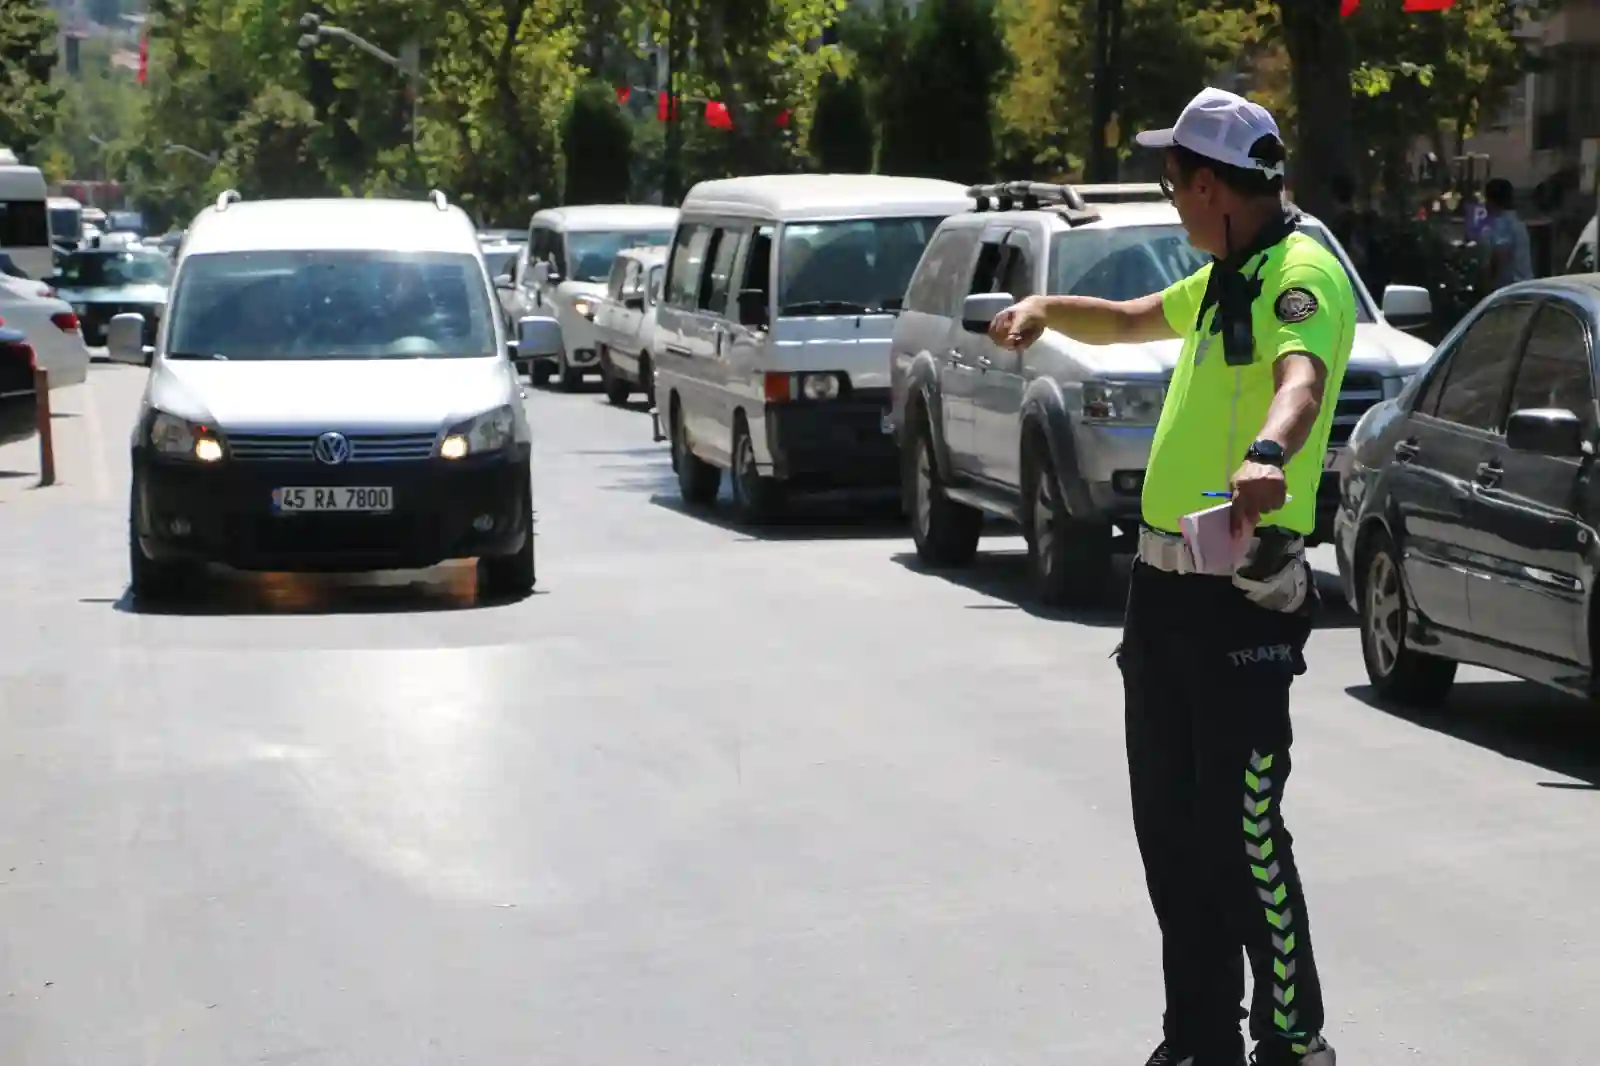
(1229, 496)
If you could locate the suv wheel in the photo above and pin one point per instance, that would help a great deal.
(539, 372)
(755, 498)
(945, 532)
(571, 376)
(1069, 560)
(1397, 671)
(698, 480)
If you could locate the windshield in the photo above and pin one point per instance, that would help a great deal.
(66, 223)
(591, 254)
(331, 305)
(853, 267)
(86, 270)
(1129, 262)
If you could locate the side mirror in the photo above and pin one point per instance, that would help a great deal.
(1546, 431)
(538, 336)
(979, 309)
(633, 301)
(753, 308)
(1407, 306)
(539, 273)
(125, 340)
(502, 281)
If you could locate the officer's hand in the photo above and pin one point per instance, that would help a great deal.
(1257, 489)
(1018, 325)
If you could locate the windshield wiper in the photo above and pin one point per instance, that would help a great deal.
(198, 355)
(824, 307)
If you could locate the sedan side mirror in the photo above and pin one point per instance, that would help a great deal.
(979, 309)
(125, 340)
(538, 336)
(1546, 431)
(1407, 307)
(753, 308)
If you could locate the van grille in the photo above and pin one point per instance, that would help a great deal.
(1359, 392)
(364, 448)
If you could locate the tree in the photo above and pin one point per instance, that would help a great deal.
(876, 38)
(597, 140)
(841, 139)
(938, 118)
(28, 101)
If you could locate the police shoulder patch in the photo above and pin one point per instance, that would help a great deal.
(1295, 305)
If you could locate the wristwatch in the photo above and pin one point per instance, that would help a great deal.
(1269, 452)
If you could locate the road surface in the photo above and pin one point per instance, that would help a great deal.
(710, 797)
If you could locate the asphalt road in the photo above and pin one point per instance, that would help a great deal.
(709, 798)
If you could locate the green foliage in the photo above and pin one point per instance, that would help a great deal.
(597, 139)
(938, 120)
(842, 137)
(28, 101)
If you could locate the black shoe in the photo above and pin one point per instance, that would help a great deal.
(1313, 1052)
(1166, 1056)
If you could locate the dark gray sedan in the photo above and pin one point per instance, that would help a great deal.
(1466, 529)
(102, 283)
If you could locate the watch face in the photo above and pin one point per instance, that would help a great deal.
(1267, 451)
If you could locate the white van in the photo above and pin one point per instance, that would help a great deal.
(774, 326)
(25, 221)
(66, 222)
(568, 262)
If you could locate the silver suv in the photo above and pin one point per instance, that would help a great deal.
(1056, 437)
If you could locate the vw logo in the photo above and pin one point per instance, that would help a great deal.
(331, 448)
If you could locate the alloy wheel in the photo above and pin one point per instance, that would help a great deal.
(1385, 612)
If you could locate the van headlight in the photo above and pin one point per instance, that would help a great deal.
(179, 438)
(1123, 401)
(488, 432)
(584, 306)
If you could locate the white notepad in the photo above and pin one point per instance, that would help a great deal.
(1209, 535)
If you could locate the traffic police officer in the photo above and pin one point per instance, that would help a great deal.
(1207, 661)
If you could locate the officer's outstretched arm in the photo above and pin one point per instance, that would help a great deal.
(1299, 380)
(1083, 318)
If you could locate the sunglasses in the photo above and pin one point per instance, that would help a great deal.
(1168, 189)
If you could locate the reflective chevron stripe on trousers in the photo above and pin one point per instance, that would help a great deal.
(1206, 675)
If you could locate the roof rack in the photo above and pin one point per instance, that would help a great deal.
(439, 199)
(1137, 192)
(1034, 196)
(229, 196)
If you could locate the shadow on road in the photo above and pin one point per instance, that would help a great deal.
(1517, 719)
(842, 517)
(1003, 575)
(224, 593)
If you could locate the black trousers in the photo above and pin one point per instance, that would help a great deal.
(1206, 675)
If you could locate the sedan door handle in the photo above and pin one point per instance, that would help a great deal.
(678, 349)
(1407, 450)
(985, 362)
(1489, 473)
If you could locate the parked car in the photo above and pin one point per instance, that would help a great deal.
(1057, 436)
(330, 392)
(773, 330)
(570, 252)
(625, 323)
(1465, 528)
(51, 327)
(101, 284)
(19, 417)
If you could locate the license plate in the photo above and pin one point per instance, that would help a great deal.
(1332, 460)
(366, 499)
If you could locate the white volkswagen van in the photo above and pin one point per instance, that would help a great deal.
(25, 221)
(774, 325)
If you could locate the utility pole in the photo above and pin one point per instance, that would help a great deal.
(1107, 81)
(672, 150)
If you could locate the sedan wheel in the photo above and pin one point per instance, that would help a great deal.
(1398, 671)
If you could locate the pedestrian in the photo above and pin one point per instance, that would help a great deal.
(1207, 661)
(1510, 256)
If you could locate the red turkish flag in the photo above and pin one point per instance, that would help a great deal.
(717, 116)
(623, 92)
(144, 59)
(662, 105)
(783, 118)
(1348, 7)
(1427, 5)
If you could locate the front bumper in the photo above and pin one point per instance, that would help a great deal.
(834, 443)
(222, 513)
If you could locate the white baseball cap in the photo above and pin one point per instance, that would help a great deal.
(1222, 126)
